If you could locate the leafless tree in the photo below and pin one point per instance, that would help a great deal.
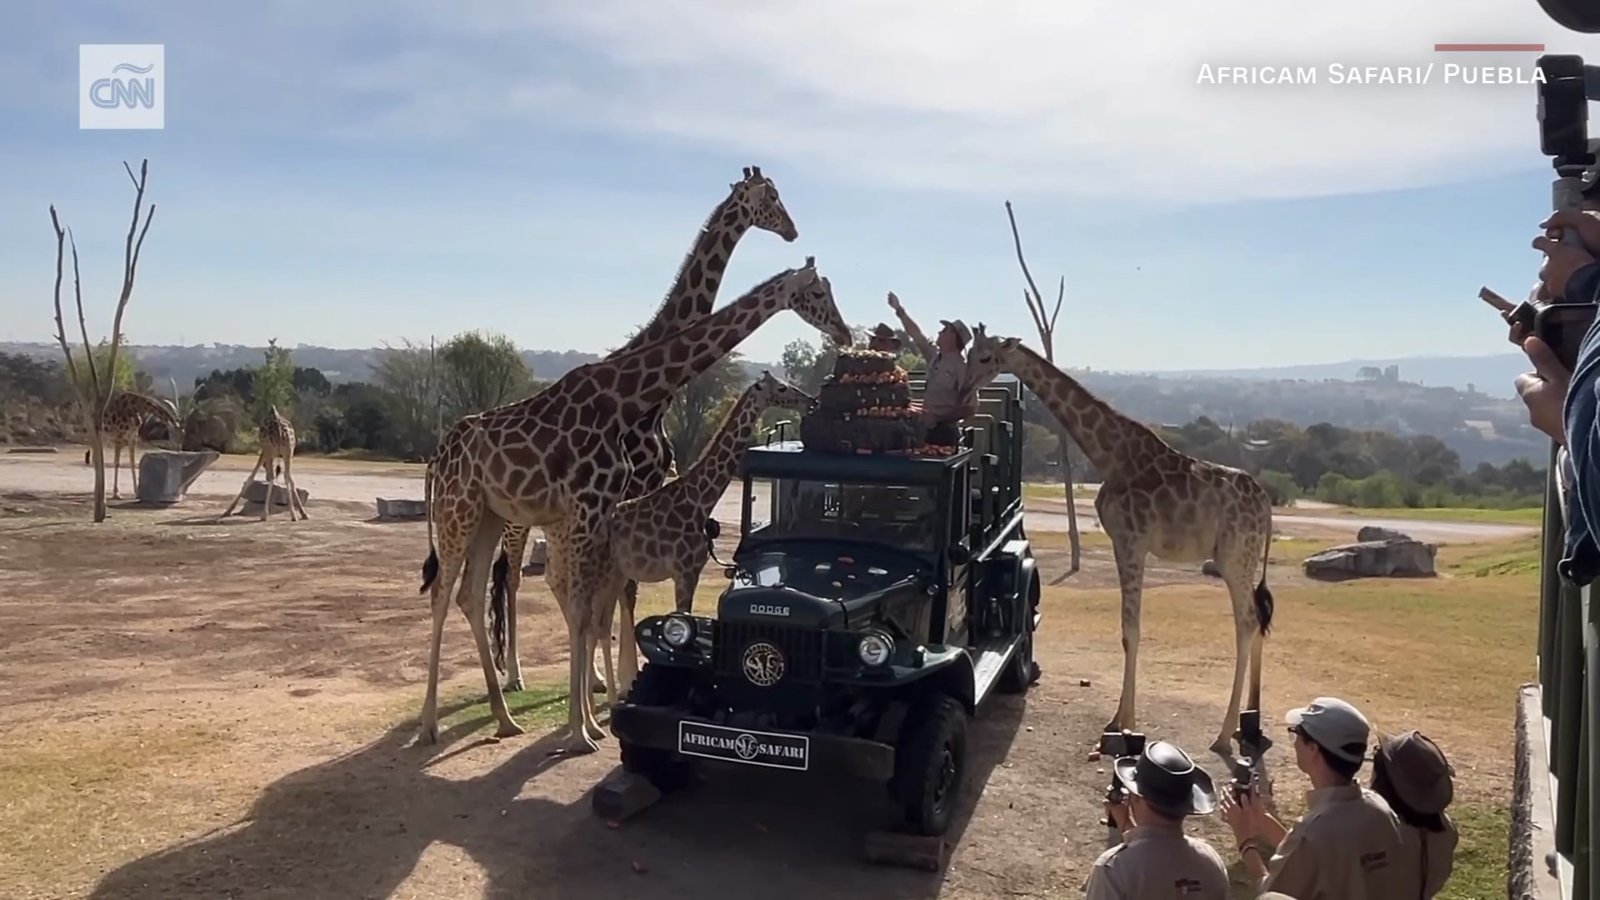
(1047, 342)
(94, 391)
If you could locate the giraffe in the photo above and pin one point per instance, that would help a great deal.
(276, 436)
(555, 459)
(752, 202)
(663, 534)
(123, 417)
(1154, 499)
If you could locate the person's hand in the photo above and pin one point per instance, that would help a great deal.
(1117, 814)
(1241, 814)
(894, 302)
(1544, 390)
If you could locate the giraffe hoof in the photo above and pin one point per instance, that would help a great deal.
(580, 745)
(429, 734)
(512, 686)
(509, 729)
(598, 688)
(1223, 748)
(597, 734)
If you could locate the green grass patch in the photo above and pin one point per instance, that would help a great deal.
(1047, 491)
(1522, 558)
(1480, 861)
(540, 707)
(1529, 516)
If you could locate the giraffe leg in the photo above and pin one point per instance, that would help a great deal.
(439, 601)
(628, 647)
(556, 578)
(606, 615)
(587, 554)
(1130, 559)
(474, 583)
(1244, 626)
(272, 491)
(242, 488)
(514, 543)
(133, 465)
(294, 493)
(116, 468)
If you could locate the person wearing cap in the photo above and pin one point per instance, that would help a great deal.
(1347, 846)
(945, 400)
(883, 339)
(1156, 859)
(1411, 774)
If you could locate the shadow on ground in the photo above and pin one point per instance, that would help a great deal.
(357, 826)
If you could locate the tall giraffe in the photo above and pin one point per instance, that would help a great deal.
(752, 202)
(123, 417)
(1153, 499)
(276, 436)
(662, 535)
(555, 459)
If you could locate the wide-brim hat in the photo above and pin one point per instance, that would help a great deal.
(1418, 771)
(883, 331)
(1168, 780)
(962, 331)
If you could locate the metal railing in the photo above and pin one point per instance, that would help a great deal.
(1568, 671)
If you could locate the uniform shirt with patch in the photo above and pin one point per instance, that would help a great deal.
(1158, 863)
(1346, 847)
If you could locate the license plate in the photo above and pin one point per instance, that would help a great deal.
(753, 748)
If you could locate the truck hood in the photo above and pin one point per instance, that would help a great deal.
(817, 583)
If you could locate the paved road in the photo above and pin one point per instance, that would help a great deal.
(65, 473)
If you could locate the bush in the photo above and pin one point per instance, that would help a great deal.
(1281, 486)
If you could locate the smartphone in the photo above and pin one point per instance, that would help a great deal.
(1563, 326)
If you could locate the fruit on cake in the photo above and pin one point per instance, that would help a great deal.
(865, 407)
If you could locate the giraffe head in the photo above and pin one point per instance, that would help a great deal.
(756, 198)
(810, 295)
(987, 357)
(774, 393)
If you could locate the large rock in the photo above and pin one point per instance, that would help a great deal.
(1373, 559)
(256, 494)
(1376, 533)
(538, 557)
(165, 475)
(402, 509)
(1209, 567)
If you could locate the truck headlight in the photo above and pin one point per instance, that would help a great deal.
(875, 649)
(677, 630)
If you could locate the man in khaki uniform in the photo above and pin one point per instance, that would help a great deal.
(945, 397)
(1347, 846)
(1156, 860)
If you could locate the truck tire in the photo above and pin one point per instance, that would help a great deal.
(668, 771)
(930, 765)
(1023, 670)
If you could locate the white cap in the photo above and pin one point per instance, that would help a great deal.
(1337, 726)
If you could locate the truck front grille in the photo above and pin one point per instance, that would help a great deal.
(801, 649)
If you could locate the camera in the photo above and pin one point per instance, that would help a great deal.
(1122, 744)
(1252, 744)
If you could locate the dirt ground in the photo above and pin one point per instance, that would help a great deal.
(203, 710)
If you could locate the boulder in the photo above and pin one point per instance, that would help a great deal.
(402, 509)
(165, 475)
(1209, 567)
(256, 494)
(1375, 533)
(1373, 559)
(538, 557)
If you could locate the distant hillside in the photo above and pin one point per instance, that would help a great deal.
(1482, 425)
(1490, 375)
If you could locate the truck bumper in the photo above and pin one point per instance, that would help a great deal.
(668, 728)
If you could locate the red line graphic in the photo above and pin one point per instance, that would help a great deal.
(1488, 48)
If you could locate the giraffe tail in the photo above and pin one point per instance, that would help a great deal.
(430, 566)
(1263, 596)
(497, 607)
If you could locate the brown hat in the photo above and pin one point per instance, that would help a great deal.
(883, 331)
(1418, 771)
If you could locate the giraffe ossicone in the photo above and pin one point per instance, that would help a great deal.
(1155, 500)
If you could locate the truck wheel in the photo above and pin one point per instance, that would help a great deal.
(930, 765)
(668, 771)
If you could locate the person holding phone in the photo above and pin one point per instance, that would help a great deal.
(1563, 403)
(1156, 859)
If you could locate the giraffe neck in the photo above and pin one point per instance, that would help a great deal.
(694, 291)
(708, 476)
(654, 372)
(1107, 437)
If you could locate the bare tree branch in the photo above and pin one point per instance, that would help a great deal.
(61, 325)
(1034, 298)
(94, 403)
(130, 263)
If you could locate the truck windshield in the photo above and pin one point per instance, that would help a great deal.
(901, 516)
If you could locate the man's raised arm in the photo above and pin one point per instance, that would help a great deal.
(925, 348)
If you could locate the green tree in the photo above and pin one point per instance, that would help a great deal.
(409, 377)
(274, 382)
(481, 370)
(699, 406)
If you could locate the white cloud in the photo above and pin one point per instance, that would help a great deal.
(1092, 99)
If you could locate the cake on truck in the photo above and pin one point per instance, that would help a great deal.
(880, 594)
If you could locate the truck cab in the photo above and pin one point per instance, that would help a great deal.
(873, 604)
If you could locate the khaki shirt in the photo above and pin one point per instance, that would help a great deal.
(1346, 847)
(1426, 873)
(941, 398)
(1158, 863)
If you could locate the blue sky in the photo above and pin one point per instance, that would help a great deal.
(355, 173)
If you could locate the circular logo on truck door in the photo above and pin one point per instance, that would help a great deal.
(763, 664)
